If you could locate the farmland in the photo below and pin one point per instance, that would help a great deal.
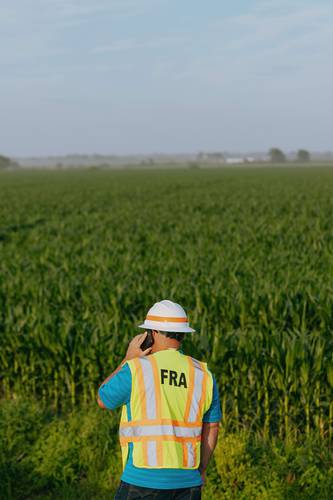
(247, 251)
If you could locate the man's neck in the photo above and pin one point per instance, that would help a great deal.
(172, 344)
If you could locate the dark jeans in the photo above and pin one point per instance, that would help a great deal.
(130, 492)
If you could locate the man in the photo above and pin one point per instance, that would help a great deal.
(170, 411)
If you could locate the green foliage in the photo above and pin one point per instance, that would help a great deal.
(247, 252)
(6, 162)
(84, 442)
(303, 156)
(20, 425)
(277, 156)
(77, 455)
(252, 468)
(43, 452)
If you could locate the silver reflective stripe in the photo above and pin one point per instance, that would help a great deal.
(190, 454)
(197, 392)
(126, 432)
(160, 430)
(187, 431)
(196, 363)
(152, 453)
(148, 377)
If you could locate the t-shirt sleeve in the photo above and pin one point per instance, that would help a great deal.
(117, 391)
(214, 413)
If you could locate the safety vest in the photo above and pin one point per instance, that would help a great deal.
(170, 394)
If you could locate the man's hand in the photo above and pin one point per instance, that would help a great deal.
(134, 349)
(203, 475)
(209, 436)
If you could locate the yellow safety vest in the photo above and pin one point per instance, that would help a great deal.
(170, 394)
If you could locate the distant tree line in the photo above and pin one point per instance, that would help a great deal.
(276, 155)
(6, 162)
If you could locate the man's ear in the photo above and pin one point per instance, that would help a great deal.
(155, 333)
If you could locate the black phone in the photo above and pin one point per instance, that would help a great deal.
(148, 341)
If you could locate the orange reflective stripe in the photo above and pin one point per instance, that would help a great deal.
(142, 390)
(162, 421)
(167, 319)
(157, 388)
(145, 452)
(142, 439)
(203, 392)
(191, 389)
(159, 447)
(185, 454)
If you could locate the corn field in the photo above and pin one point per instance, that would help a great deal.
(247, 252)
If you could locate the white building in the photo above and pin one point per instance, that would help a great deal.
(234, 161)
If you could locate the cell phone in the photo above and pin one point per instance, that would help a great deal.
(148, 341)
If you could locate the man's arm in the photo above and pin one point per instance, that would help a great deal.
(133, 351)
(209, 437)
(99, 401)
(210, 430)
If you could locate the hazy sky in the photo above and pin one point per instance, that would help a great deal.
(126, 76)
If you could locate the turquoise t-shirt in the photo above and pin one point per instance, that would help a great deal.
(117, 392)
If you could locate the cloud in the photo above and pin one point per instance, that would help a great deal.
(265, 28)
(34, 31)
(55, 12)
(281, 38)
(135, 44)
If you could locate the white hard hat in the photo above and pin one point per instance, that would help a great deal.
(167, 316)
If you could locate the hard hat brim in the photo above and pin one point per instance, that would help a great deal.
(166, 327)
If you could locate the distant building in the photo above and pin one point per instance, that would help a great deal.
(234, 161)
(211, 157)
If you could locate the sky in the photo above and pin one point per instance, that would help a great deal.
(165, 76)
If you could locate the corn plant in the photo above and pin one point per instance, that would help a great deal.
(249, 253)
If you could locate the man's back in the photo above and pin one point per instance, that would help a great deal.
(170, 394)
